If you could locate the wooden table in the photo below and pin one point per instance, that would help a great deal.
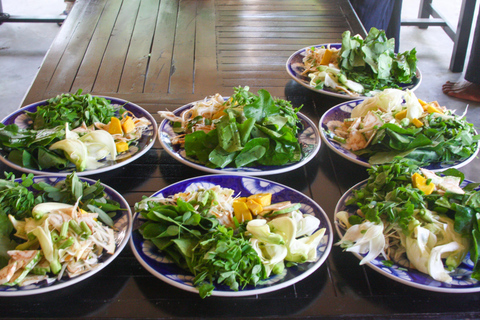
(162, 54)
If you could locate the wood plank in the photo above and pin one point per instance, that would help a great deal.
(133, 75)
(111, 68)
(181, 79)
(269, 35)
(64, 75)
(88, 70)
(160, 63)
(205, 47)
(37, 90)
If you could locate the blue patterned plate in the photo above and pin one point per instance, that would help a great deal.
(295, 67)
(158, 265)
(461, 283)
(135, 151)
(122, 223)
(309, 139)
(343, 111)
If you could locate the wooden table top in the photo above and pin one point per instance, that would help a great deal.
(163, 54)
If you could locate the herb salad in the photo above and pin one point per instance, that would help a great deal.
(360, 66)
(246, 130)
(224, 239)
(409, 216)
(52, 232)
(72, 132)
(396, 123)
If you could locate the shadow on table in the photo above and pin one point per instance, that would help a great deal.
(284, 302)
(78, 300)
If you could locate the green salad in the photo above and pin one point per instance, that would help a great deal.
(223, 239)
(411, 216)
(50, 231)
(77, 131)
(396, 123)
(245, 130)
(360, 66)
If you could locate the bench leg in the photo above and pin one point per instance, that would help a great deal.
(425, 11)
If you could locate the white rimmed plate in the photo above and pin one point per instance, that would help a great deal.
(158, 265)
(147, 140)
(343, 111)
(122, 222)
(295, 67)
(309, 139)
(461, 283)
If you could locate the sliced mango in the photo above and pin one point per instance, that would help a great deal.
(422, 103)
(241, 211)
(400, 115)
(326, 57)
(254, 207)
(218, 114)
(115, 127)
(128, 125)
(264, 199)
(121, 146)
(420, 182)
(417, 123)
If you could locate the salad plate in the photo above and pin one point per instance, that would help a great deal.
(343, 111)
(295, 67)
(122, 223)
(309, 139)
(461, 283)
(23, 121)
(158, 265)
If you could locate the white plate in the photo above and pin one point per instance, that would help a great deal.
(295, 67)
(147, 140)
(343, 111)
(461, 283)
(309, 139)
(122, 222)
(158, 265)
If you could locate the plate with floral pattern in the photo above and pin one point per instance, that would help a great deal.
(158, 265)
(122, 225)
(308, 137)
(343, 111)
(295, 68)
(135, 151)
(461, 283)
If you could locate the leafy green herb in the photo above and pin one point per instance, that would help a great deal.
(373, 63)
(256, 130)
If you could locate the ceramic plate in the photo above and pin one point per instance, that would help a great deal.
(123, 223)
(295, 67)
(309, 139)
(461, 283)
(21, 119)
(158, 265)
(343, 111)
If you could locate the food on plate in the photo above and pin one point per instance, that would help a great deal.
(412, 217)
(244, 130)
(52, 232)
(227, 239)
(396, 123)
(360, 66)
(73, 130)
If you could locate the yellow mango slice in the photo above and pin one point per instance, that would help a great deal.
(121, 146)
(115, 127)
(241, 211)
(264, 199)
(326, 57)
(420, 182)
(254, 207)
(417, 123)
(422, 103)
(128, 125)
(402, 114)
